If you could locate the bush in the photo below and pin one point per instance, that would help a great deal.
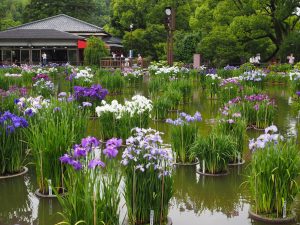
(113, 82)
(185, 46)
(148, 177)
(184, 132)
(272, 178)
(161, 107)
(216, 150)
(94, 51)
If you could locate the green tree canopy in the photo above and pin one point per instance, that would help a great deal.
(93, 11)
(147, 16)
(256, 25)
(11, 13)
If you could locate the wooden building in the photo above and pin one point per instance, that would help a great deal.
(61, 37)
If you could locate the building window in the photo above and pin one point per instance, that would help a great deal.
(72, 57)
(25, 57)
(6, 57)
(36, 57)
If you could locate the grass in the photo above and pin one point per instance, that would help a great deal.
(182, 138)
(50, 134)
(216, 150)
(92, 196)
(272, 178)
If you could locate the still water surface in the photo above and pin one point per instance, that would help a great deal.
(197, 200)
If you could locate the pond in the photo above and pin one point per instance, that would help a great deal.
(197, 199)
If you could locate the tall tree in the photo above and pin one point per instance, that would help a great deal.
(11, 13)
(81, 9)
(147, 17)
(267, 22)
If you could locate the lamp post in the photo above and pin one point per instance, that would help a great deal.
(131, 51)
(170, 27)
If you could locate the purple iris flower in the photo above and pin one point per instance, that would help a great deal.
(198, 116)
(114, 142)
(62, 94)
(29, 112)
(76, 165)
(95, 92)
(40, 76)
(79, 151)
(56, 109)
(189, 118)
(89, 141)
(183, 114)
(110, 152)
(66, 159)
(10, 129)
(96, 162)
(70, 99)
(298, 93)
(86, 104)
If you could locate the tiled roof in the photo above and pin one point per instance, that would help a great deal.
(113, 40)
(37, 34)
(61, 22)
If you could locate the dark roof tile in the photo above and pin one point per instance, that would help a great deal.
(61, 22)
(44, 34)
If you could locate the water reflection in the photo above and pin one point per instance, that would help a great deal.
(47, 212)
(197, 200)
(15, 204)
(208, 194)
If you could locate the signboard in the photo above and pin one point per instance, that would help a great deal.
(197, 61)
(81, 44)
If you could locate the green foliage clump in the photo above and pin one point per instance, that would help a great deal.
(92, 195)
(281, 67)
(237, 130)
(216, 150)
(114, 82)
(272, 178)
(185, 46)
(174, 96)
(185, 88)
(54, 129)
(94, 51)
(161, 107)
(182, 138)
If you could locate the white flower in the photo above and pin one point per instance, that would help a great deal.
(12, 75)
(272, 128)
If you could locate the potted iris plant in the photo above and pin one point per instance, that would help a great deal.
(148, 166)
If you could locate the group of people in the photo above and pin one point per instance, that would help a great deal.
(127, 59)
(256, 59)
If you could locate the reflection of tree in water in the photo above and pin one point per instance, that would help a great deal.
(214, 194)
(296, 205)
(15, 204)
(48, 212)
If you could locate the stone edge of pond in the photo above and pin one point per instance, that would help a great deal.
(25, 170)
(170, 222)
(38, 194)
(213, 175)
(237, 164)
(186, 164)
(261, 218)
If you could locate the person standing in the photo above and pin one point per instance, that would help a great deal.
(44, 59)
(140, 60)
(291, 59)
(114, 55)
